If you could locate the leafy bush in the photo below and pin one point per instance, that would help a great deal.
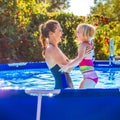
(19, 31)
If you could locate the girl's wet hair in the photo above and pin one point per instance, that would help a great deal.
(44, 29)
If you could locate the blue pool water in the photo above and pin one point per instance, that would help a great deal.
(43, 79)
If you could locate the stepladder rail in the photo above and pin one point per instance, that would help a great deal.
(34, 91)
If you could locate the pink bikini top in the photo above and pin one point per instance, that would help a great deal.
(87, 62)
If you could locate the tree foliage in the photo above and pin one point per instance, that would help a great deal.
(56, 5)
(106, 17)
(19, 21)
(109, 8)
(19, 30)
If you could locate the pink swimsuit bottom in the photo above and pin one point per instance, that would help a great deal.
(91, 75)
(87, 69)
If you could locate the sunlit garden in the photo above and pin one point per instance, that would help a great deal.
(19, 21)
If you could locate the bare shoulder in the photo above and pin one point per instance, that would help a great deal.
(50, 56)
(54, 55)
(51, 50)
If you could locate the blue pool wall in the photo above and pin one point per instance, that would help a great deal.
(79, 104)
(35, 65)
(99, 65)
(25, 65)
(86, 104)
(17, 105)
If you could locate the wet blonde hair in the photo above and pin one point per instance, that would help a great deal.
(86, 30)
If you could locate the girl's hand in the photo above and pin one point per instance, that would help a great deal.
(65, 68)
(88, 50)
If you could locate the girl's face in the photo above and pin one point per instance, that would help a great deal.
(79, 35)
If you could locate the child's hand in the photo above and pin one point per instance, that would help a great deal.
(69, 69)
(88, 50)
(65, 68)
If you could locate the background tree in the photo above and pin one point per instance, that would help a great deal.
(109, 8)
(19, 30)
(105, 15)
(19, 21)
(56, 5)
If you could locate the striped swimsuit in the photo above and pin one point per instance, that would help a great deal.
(87, 68)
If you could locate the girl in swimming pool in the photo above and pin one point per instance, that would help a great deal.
(50, 36)
(84, 59)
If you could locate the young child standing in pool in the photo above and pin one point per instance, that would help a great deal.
(84, 59)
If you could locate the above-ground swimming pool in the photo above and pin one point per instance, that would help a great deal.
(19, 81)
(38, 76)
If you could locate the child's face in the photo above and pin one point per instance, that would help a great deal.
(79, 35)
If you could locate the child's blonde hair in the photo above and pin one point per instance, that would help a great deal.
(87, 30)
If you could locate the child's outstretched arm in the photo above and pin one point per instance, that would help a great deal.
(77, 60)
